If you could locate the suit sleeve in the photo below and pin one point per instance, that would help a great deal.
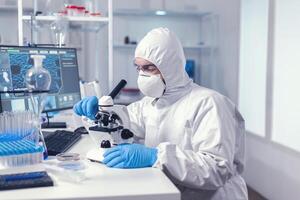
(209, 164)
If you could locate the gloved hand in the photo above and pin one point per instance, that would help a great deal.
(130, 156)
(87, 107)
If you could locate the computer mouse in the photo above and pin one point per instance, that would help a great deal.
(81, 130)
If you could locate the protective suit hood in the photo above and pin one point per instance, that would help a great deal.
(162, 47)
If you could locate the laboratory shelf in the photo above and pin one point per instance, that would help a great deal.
(81, 23)
(125, 46)
(187, 47)
(14, 9)
(134, 12)
(70, 18)
(195, 47)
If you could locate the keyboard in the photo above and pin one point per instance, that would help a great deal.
(60, 141)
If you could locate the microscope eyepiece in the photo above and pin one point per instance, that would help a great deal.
(118, 88)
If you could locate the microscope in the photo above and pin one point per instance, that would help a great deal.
(111, 125)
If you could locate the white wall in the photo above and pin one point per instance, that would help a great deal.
(273, 169)
(253, 64)
(286, 92)
(226, 73)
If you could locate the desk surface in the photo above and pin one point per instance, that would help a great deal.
(104, 183)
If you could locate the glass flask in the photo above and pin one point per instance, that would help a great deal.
(38, 79)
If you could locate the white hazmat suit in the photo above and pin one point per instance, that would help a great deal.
(199, 133)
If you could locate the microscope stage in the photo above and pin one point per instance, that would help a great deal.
(96, 154)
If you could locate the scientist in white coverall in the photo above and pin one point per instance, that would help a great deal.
(195, 135)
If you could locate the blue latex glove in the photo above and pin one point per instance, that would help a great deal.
(87, 107)
(130, 156)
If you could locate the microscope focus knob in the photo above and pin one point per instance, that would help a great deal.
(105, 144)
(126, 134)
(98, 116)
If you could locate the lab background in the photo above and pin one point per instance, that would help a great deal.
(247, 50)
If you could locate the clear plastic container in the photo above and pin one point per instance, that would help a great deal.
(19, 126)
(68, 167)
(70, 161)
(20, 160)
(22, 152)
(19, 139)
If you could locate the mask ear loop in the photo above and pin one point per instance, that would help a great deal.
(163, 80)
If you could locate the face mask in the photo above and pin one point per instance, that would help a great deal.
(151, 85)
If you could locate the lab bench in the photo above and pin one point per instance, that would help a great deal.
(103, 183)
